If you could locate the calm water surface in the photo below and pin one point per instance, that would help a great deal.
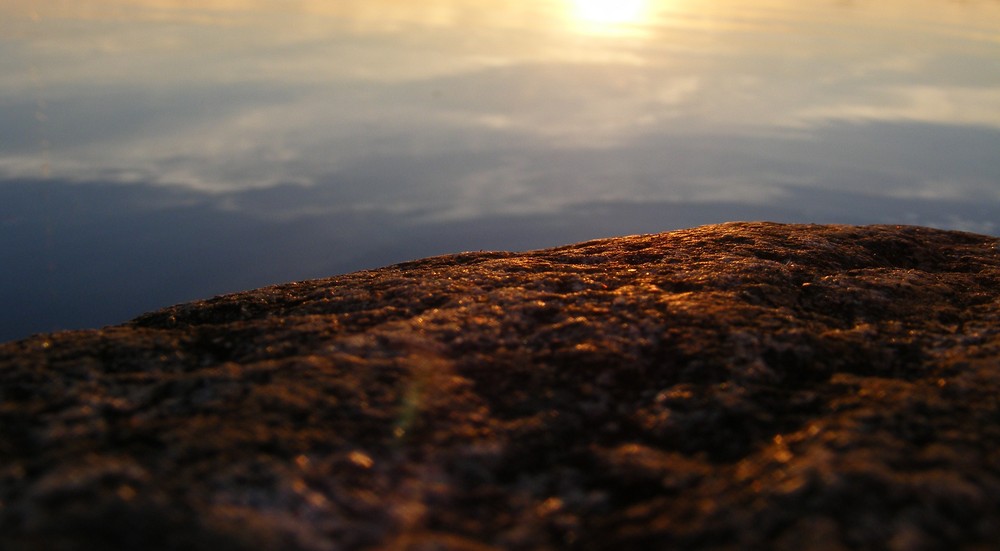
(156, 151)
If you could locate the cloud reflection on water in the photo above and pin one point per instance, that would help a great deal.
(388, 129)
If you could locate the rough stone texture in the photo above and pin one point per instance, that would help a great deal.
(740, 386)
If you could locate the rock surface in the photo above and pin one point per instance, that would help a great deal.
(741, 386)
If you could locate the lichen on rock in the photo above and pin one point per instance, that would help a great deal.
(745, 385)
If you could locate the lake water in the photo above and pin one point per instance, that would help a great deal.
(158, 151)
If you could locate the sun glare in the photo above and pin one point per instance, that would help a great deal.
(609, 12)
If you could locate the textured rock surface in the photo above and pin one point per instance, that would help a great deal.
(732, 386)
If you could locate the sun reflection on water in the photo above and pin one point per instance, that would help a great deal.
(609, 15)
(609, 11)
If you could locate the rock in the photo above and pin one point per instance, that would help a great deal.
(740, 386)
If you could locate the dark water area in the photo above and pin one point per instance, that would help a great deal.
(152, 152)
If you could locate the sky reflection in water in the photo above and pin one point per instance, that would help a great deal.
(155, 151)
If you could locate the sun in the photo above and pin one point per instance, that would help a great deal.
(609, 12)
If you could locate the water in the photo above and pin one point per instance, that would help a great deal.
(157, 151)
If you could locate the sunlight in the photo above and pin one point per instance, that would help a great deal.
(609, 12)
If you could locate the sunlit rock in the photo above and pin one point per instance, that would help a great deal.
(736, 386)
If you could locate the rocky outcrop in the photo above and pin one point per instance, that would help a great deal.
(740, 386)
